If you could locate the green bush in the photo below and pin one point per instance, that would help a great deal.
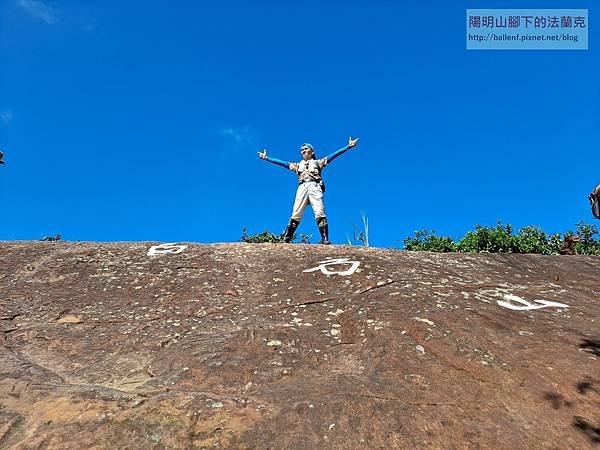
(587, 245)
(485, 239)
(265, 236)
(555, 242)
(531, 240)
(428, 241)
(500, 239)
(534, 240)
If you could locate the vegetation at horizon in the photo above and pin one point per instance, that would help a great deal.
(498, 239)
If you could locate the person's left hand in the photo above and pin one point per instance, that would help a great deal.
(352, 142)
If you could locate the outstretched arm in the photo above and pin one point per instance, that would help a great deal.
(351, 143)
(279, 162)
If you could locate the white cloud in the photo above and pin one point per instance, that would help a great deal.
(89, 25)
(40, 10)
(238, 138)
(6, 116)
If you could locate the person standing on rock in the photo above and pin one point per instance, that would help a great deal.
(310, 186)
(594, 199)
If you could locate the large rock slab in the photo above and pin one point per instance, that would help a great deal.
(244, 346)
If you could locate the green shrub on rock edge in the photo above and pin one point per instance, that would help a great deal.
(265, 236)
(500, 239)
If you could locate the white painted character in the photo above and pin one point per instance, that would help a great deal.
(527, 306)
(165, 249)
(335, 261)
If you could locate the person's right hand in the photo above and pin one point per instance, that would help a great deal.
(263, 154)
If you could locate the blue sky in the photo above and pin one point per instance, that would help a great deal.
(141, 120)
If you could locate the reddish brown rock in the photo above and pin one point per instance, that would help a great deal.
(238, 346)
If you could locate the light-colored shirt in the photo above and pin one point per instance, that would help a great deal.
(309, 170)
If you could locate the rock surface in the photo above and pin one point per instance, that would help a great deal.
(239, 346)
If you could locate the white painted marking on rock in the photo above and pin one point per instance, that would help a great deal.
(527, 306)
(335, 261)
(168, 248)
